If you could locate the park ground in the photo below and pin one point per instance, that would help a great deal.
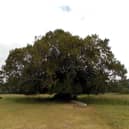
(109, 111)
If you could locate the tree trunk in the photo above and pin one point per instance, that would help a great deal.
(65, 96)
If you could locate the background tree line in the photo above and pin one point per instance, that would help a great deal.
(63, 64)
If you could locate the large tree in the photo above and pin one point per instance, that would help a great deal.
(63, 64)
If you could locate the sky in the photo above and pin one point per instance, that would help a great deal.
(22, 20)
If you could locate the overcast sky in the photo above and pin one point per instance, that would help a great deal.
(22, 20)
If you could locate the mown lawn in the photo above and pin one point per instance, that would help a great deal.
(113, 109)
(108, 111)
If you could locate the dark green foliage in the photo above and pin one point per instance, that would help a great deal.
(63, 64)
(1, 77)
(119, 86)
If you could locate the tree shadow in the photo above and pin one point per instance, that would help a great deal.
(26, 99)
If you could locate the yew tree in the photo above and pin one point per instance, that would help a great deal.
(63, 64)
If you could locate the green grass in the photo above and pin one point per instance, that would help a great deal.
(109, 111)
(112, 108)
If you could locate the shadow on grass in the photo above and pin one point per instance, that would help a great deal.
(49, 99)
(103, 100)
(35, 100)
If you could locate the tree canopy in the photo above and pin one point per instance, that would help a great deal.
(63, 64)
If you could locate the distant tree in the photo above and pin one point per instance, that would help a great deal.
(63, 64)
(119, 86)
(1, 78)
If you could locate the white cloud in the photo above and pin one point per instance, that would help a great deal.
(65, 8)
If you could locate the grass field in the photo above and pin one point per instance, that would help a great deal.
(109, 111)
